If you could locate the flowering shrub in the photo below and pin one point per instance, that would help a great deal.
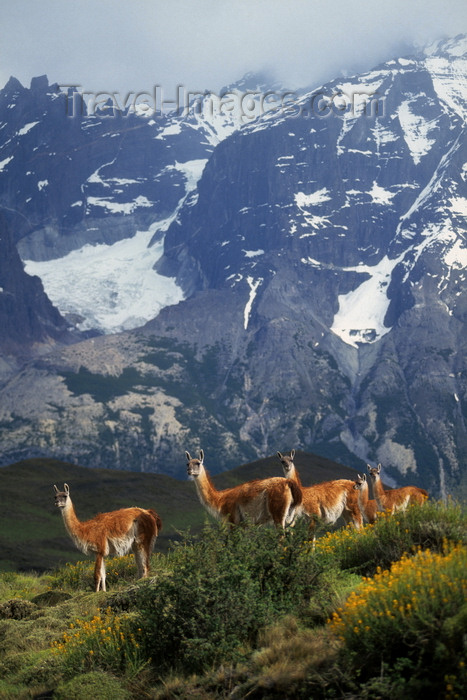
(411, 615)
(427, 526)
(107, 642)
(347, 547)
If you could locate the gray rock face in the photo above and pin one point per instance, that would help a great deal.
(27, 318)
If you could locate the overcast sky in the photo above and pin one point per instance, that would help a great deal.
(132, 45)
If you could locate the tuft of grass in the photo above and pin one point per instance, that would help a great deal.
(290, 654)
(119, 572)
(21, 585)
(95, 684)
(79, 576)
(106, 642)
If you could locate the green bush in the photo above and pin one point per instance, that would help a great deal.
(222, 590)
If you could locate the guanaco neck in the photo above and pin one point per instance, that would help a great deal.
(207, 492)
(72, 524)
(378, 490)
(363, 496)
(294, 475)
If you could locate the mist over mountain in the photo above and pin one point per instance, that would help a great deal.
(296, 279)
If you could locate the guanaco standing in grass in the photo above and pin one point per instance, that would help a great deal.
(368, 507)
(118, 532)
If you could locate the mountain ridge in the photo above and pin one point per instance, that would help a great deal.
(319, 261)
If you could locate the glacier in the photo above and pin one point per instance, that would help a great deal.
(115, 287)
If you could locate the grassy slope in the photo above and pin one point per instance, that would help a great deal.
(296, 657)
(32, 534)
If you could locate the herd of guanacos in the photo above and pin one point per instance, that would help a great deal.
(276, 500)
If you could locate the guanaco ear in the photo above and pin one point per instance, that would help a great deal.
(363, 477)
(368, 467)
(188, 456)
(201, 456)
(279, 455)
(378, 468)
(292, 454)
(56, 489)
(66, 488)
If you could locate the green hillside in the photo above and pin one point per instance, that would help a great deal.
(32, 534)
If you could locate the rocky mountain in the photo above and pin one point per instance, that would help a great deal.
(316, 257)
(80, 177)
(80, 174)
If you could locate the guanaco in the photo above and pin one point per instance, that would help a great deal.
(368, 508)
(327, 501)
(274, 500)
(116, 532)
(394, 499)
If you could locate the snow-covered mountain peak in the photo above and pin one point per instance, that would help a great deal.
(452, 47)
(449, 74)
(141, 175)
(362, 180)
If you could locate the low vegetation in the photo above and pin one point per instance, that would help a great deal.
(251, 612)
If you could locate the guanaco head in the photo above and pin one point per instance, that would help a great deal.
(360, 481)
(61, 497)
(374, 471)
(194, 465)
(287, 462)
